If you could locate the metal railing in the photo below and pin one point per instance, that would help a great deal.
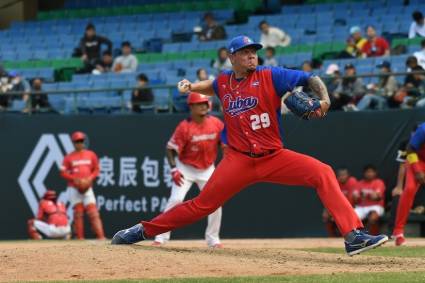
(169, 106)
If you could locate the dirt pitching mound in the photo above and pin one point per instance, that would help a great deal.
(60, 260)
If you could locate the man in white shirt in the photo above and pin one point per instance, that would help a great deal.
(420, 55)
(127, 62)
(417, 28)
(273, 36)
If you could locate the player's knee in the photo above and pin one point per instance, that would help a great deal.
(323, 172)
(205, 208)
(78, 209)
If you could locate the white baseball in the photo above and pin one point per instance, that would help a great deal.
(183, 86)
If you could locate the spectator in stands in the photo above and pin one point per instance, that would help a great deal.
(270, 59)
(420, 55)
(355, 44)
(142, 97)
(202, 75)
(412, 88)
(307, 66)
(222, 62)
(19, 84)
(332, 80)
(375, 46)
(273, 36)
(127, 62)
(37, 101)
(2, 71)
(377, 96)
(369, 198)
(347, 184)
(105, 64)
(90, 45)
(5, 86)
(211, 29)
(349, 89)
(417, 28)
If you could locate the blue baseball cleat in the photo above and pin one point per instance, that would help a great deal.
(363, 242)
(129, 236)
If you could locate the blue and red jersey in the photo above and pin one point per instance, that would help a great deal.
(417, 142)
(251, 106)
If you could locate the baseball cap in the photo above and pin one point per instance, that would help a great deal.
(13, 73)
(349, 66)
(354, 29)
(384, 64)
(332, 68)
(242, 41)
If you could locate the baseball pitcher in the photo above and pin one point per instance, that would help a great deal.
(251, 99)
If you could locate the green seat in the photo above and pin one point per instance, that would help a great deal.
(398, 41)
(305, 48)
(321, 48)
(337, 46)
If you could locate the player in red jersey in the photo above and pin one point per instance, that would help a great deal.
(347, 184)
(195, 142)
(51, 221)
(415, 177)
(369, 198)
(251, 99)
(80, 168)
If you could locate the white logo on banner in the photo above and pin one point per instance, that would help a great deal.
(46, 154)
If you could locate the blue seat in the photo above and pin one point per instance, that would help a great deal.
(172, 48)
(45, 73)
(162, 99)
(17, 105)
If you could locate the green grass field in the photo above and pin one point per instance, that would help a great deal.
(390, 277)
(382, 251)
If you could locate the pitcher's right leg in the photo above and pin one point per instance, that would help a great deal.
(225, 182)
(178, 193)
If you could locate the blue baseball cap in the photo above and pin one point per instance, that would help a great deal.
(242, 41)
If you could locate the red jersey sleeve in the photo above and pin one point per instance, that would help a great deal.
(179, 138)
(66, 169)
(95, 163)
(380, 188)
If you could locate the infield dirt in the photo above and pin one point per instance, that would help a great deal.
(67, 260)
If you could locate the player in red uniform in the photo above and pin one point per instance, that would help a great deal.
(80, 168)
(347, 184)
(369, 198)
(195, 142)
(415, 177)
(251, 99)
(51, 221)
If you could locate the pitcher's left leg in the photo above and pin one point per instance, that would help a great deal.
(292, 168)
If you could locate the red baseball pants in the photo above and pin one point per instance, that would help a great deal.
(236, 171)
(405, 203)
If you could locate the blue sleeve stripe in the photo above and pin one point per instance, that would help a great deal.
(215, 86)
(223, 136)
(285, 80)
(418, 138)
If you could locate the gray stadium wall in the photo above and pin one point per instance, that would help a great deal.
(33, 147)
